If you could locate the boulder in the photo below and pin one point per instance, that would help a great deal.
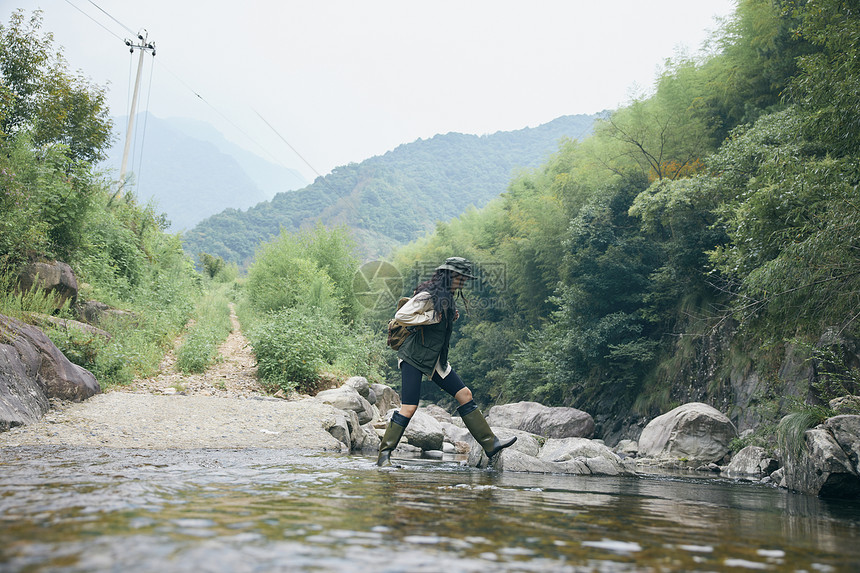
(581, 456)
(360, 385)
(57, 377)
(346, 398)
(751, 461)
(56, 278)
(22, 394)
(424, 431)
(95, 312)
(454, 434)
(386, 397)
(627, 448)
(338, 426)
(846, 431)
(849, 404)
(822, 468)
(527, 444)
(695, 432)
(441, 414)
(551, 422)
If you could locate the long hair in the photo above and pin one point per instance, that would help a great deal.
(439, 287)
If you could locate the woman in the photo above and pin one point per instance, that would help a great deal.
(430, 314)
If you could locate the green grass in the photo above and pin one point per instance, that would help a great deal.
(199, 349)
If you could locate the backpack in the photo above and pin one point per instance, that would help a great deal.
(397, 331)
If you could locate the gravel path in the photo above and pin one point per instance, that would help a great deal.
(223, 408)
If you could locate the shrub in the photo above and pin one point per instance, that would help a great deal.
(293, 346)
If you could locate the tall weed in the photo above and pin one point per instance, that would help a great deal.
(199, 350)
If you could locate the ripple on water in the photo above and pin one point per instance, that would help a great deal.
(254, 510)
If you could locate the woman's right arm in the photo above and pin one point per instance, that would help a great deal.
(417, 311)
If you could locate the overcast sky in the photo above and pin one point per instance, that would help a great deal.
(344, 80)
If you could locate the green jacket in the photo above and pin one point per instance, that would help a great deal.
(428, 344)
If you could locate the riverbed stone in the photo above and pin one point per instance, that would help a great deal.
(527, 444)
(439, 413)
(424, 431)
(597, 458)
(627, 448)
(822, 468)
(386, 397)
(751, 461)
(347, 398)
(338, 427)
(550, 422)
(511, 460)
(695, 432)
(454, 433)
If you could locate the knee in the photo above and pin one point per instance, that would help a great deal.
(463, 396)
(408, 410)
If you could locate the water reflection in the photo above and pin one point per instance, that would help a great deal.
(81, 509)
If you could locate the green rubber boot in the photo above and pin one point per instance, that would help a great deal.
(393, 433)
(480, 429)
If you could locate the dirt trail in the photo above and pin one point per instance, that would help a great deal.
(234, 375)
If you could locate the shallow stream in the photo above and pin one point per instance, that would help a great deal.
(90, 509)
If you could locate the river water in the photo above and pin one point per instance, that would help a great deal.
(90, 509)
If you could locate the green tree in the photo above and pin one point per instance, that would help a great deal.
(41, 97)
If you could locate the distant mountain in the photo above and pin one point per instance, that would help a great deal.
(394, 198)
(191, 171)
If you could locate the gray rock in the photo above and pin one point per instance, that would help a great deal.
(627, 447)
(748, 462)
(551, 422)
(338, 427)
(695, 432)
(822, 468)
(360, 385)
(54, 277)
(346, 398)
(22, 395)
(846, 432)
(454, 433)
(512, 460)
(424, 432)
(386, 397)
(527, 444)
(95, 312)
(439, 413)
(846, 404)
(596, 457)
(55, 375)
(778, 478)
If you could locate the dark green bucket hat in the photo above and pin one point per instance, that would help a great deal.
(459, 265)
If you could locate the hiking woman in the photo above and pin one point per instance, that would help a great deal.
(430, 314)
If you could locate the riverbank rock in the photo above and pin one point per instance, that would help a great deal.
(30, 353)
(550, 422)
(534, 454)
(752, 461)
(386, 397)
(347, 398)
(56, 278)
(694, 433)
(824, 467)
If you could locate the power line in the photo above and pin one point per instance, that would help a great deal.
(192, 90)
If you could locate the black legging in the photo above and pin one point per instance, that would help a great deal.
(410, 389)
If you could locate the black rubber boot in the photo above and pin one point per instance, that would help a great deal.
(480, 429)
(393, 433)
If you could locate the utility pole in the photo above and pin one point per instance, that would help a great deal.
(143, 46)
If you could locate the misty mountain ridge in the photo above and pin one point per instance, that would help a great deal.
(394, 198)
(191, 171)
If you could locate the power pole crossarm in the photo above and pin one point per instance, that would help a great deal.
(143, 46)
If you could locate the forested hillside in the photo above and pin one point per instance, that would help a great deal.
(704, 244)
(394, 198)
